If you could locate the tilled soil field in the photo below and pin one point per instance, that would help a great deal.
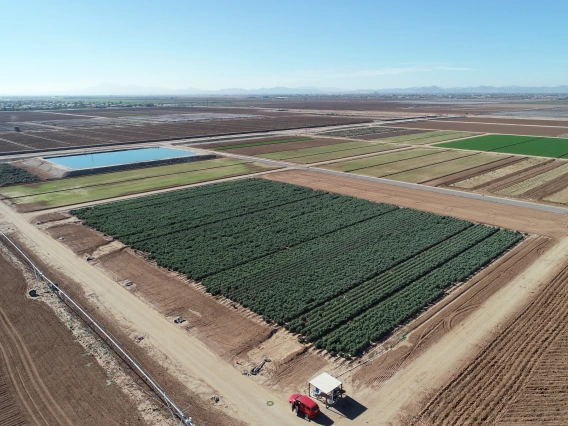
(54, 139)
(488, 128)
(520, 376)
(46, 375)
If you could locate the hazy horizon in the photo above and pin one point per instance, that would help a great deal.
(63, 47)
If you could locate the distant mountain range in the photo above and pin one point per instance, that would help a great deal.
(107, 89)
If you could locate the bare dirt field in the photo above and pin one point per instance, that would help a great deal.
(520, 376)
(45, 377)
(488, 128)
(53, 139)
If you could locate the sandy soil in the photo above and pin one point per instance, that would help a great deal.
(519, 377)
(512, 217)
(46, 377)
(488, 128)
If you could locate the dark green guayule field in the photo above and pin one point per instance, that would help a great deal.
(339, 270)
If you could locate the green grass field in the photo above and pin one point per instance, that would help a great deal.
(439, 170)
(412, 163)
(523, 145)
(376, 160)
(99, 187)
(336, 155)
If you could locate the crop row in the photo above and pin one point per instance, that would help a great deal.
(381, 319)
(342, 309)
(395, 237)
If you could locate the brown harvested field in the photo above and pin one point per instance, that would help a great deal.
(488, 128)
(506, 216)
(520, 376)
(468, 174)
(450, 312)
(24, 116)
(287, 146)
(52, 139)
(45, 377)
(516, 121)
(247, 140)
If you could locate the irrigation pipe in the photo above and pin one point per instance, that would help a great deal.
(115, 345)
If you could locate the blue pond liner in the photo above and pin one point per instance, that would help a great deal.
(114, 158)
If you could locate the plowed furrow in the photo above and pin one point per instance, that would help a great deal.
(489, 384)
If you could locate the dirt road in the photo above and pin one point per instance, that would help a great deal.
(47, 378)
(184, 354)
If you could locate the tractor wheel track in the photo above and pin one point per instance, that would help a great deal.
(27, 380)
(483, 391)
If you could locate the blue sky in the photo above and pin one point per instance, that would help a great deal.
(53, 46)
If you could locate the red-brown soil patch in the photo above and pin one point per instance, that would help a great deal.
(476, 171)
(511, 217)
(50, 139)
(518, 377)
(222, 327)
(52, 217)
(488, 128)
(44, 377)
(78, 238)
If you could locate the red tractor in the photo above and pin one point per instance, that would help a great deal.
(304, 405)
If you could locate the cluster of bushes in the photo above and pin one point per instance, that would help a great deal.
(11, 175)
